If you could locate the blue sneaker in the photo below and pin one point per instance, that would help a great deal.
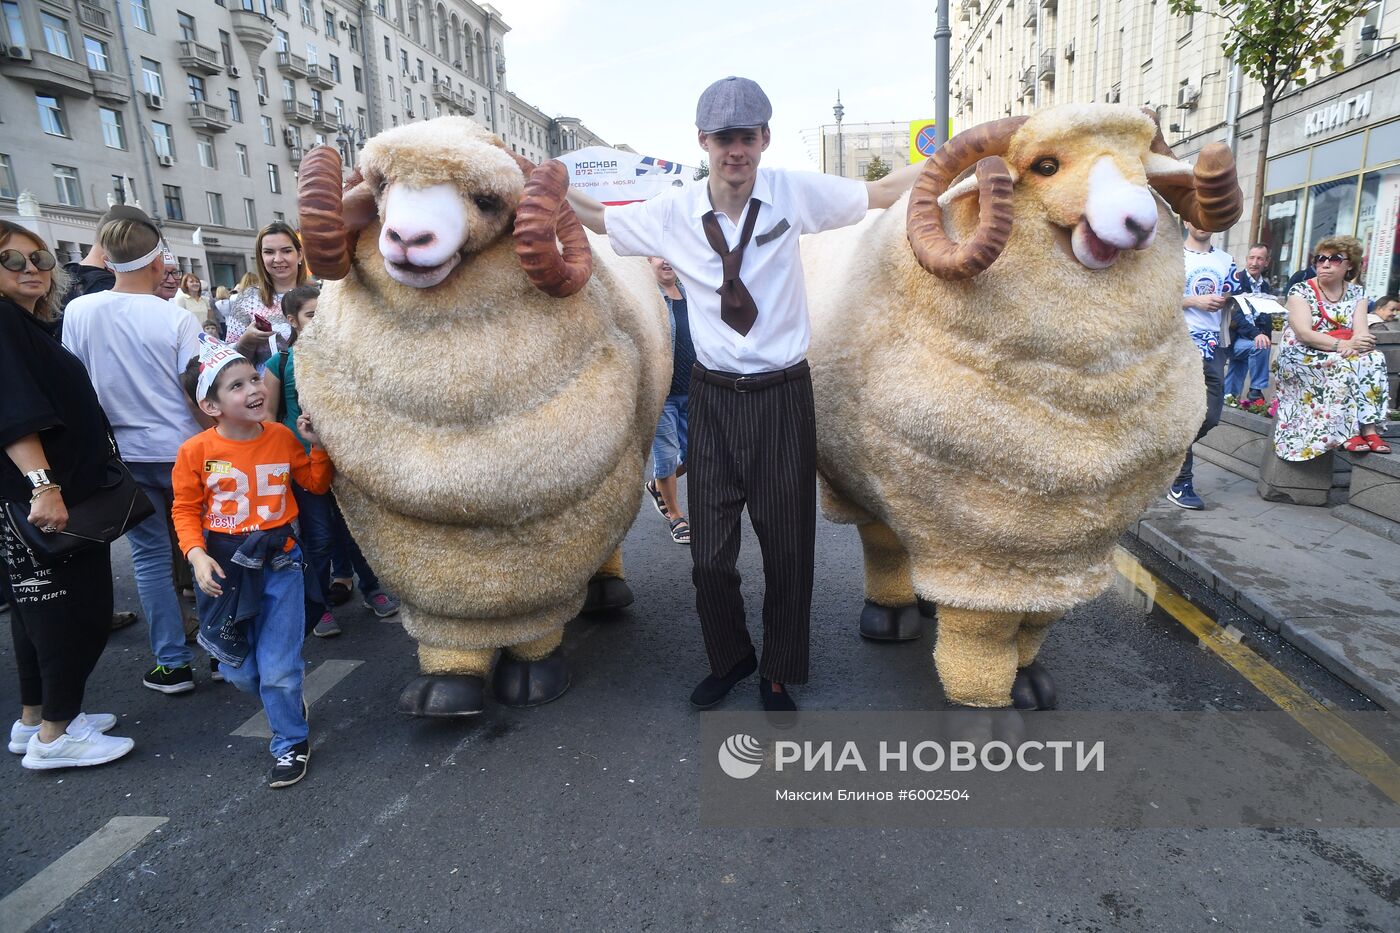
(1184, 495)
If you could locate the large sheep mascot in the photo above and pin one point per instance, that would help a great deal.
(1003, 379)
(489, 403)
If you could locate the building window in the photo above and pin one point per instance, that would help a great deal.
(317, 103)
(235, 106)
(391, 88)
(96, 54)
(204, 143)
(340, 111)
(308, 15)
(216, 208)
(423, 105)
(56, 35)
(70, 192)
(163, 139)
(330, 24)
(420, 69)
(354, 35)
(174, 202)
(141, 15)
(312, 56)
(240, 153)
(187, 30)
(250, 213)
(51, 115)
(360, 119)
(113, 133)
(266, 122)
(388, 52)
(151, 78)
(196, 86)
(358, 76)
(279, 5)
(284, 41)
(226, 48)
(279, 216)
(8, 188)
(335, 68)
(289, 89)
(260, 81)
(274, 180)
(14, 23)
(403, 61)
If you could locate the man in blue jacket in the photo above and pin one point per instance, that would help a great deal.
(1252, 335)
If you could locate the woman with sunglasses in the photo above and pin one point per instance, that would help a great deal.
(1331, 379)
(56, 447)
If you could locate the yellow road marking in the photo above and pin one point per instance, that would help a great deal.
(1360, 754)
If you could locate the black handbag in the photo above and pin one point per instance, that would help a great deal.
(101, 518)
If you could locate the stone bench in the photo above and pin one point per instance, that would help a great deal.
(1373, 493)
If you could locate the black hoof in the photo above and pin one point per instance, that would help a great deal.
(443, 695)
(980, 726)
(928, 608)
(1034, 688)
(606, 593)
(531, 683)
(890, 623)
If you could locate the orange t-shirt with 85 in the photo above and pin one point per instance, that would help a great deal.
(238, 487)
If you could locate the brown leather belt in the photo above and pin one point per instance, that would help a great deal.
(750, 382)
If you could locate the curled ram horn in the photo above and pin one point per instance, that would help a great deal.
(982, 146)
(331, 213)
(1208, 195)
(542, 217)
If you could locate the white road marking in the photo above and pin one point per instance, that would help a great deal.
(45, 892)
(317, 684)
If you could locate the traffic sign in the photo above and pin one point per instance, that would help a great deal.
(922, 139)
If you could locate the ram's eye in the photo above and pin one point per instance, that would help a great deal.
(487, 204)
(1046, 166)
(380, 184)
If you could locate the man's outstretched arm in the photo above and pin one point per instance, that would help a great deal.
(589, 211)
(891, 188)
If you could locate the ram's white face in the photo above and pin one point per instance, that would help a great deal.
(427, 232)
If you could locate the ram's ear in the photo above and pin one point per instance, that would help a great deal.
(966, 187)
(358, 207)
(1166, 169)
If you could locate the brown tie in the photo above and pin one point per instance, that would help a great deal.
(736, 305)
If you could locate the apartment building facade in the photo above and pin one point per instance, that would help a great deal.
(200, 111)
(1334, 152)
(848, 149)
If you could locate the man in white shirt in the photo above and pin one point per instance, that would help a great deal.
(135, 346)
(734, 244)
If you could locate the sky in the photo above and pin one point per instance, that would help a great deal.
(633, 71)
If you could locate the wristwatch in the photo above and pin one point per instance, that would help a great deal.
(39, 478)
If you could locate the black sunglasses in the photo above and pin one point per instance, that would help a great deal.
(1337, 258)
(15, 261)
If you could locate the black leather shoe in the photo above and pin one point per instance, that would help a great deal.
(443, 695)
(890, 623)
(775, 701)
(530, 683)
(713, 689)
(606, 593)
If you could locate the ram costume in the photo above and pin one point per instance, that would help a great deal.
(1003, 379)
(489, 403)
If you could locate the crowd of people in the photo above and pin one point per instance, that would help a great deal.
(121, 356)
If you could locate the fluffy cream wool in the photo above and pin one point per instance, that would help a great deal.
(489, 440)
(1006, 428)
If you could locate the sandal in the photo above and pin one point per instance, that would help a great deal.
(1377, 445)
(1356, 445)
(656, 500)
(680, 531)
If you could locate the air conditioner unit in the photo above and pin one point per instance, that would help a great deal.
(344, 24)
(165, 160)
(409, 112)
(18, 52)
(1069, 50)
(288, 136)
(233, 72)
(1187, 95)
(262, 100)
(154, 101)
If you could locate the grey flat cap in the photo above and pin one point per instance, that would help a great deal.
(732, 102)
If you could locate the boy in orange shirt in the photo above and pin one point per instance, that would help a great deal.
(234, 516)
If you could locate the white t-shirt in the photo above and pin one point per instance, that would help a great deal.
(135, 347)
(1211, 273)
(790, 204)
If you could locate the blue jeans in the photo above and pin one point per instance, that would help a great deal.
(151, 558)
(669, 446)
(1245, 356)
(317, 516)
(274, 669)
(346, 560)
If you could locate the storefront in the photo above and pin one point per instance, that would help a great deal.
(1339, 175)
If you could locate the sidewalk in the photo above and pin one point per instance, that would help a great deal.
(1326, 586)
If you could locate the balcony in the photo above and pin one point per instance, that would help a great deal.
(291, 65)
(1027, 80)
(50, 73)
(254, 31)
(205, 116)
(94, 17)
(468, 103)
(320, 76)
(199, 58)
(324, 121)
(442, 92)
(296, 111)
(1047, 65)
(109, 86)
(295, 155)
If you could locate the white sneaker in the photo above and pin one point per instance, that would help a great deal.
(81, 746)
(20, 733)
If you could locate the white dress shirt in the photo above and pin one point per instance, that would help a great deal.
(790, 204)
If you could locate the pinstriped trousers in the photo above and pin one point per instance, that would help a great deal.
(755, 448)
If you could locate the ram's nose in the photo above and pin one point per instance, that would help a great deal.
(1121, 213)
(399, 239)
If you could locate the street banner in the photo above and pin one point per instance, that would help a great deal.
(616, 177)
(1381, 250)
(922, 139)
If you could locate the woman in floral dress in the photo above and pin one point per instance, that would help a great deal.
(1331, 379)
(281, 268)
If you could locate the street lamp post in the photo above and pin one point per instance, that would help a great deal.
(840, 147)
(350, 138)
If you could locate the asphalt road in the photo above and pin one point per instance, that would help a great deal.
(584, 814)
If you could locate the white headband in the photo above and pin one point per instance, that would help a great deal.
(213, 356)
(135, 264)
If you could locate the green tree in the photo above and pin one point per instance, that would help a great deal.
(1275, 42)
(703, 171)
(877, 169)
